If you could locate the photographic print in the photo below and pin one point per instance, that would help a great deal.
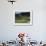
(23, 18)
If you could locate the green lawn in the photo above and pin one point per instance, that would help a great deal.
(22, 19)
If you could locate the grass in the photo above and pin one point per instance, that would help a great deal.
(22, 19)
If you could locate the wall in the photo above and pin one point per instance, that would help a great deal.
(9, 31)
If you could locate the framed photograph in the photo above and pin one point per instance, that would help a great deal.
(23, 17)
